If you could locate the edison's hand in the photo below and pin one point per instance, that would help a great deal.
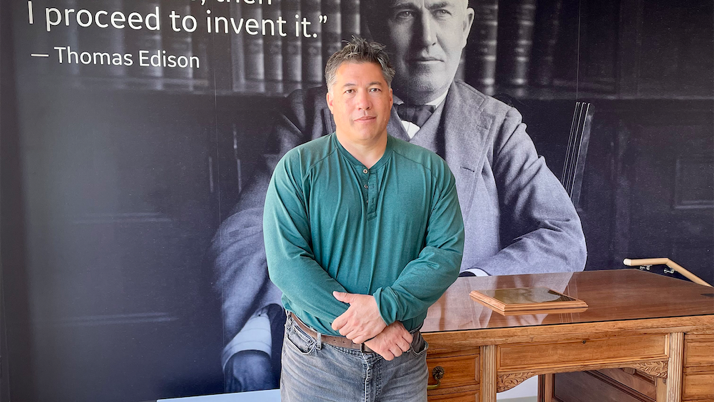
(392, 342)
(361, 321)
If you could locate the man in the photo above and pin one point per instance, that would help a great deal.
(337, 231)
(518, 219)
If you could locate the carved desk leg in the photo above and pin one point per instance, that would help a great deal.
(674, 369)
(489, 373)
(661, 389)
(545, 387)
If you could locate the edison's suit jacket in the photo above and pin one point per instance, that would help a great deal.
(518, 218)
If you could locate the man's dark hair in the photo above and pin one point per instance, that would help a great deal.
(359, 50)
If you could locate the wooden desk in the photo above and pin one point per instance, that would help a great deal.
(660, 326)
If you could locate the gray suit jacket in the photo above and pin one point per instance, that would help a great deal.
(518, 218)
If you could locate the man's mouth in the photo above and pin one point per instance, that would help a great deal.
(426, 59)
(366, 118)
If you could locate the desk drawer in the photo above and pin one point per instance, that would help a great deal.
(458, 370)
(699, 350)
(698, 387)
(581, 354)
(471, 397)
(461, 377)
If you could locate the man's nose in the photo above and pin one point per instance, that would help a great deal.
(363, 101)
(426, 30)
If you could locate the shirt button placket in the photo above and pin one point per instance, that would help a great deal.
(372, 193)
(365, 186)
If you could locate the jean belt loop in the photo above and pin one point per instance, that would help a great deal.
(361, 347)
(319, 341)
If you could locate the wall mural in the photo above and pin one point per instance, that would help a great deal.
(138, 137)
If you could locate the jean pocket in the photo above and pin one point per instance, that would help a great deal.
(419, 345)
(300, 341)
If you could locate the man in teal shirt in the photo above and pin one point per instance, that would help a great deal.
(363, 232)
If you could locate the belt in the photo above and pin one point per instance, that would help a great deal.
(339, 341)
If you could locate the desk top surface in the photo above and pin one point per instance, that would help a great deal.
(615, 295)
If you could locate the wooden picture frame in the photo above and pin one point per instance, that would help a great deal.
(517, 301)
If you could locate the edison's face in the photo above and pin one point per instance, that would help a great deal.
(360, 101)
(424, 39)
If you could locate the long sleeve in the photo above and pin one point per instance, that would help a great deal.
(306, 286)
(426, 278)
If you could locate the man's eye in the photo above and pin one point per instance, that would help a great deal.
(405, 15)
(375, 90)
(349, 91)
(441, 13)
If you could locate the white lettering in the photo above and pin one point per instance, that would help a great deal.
(186, 27)
(85, 19)
(134, 21)
(118, 20)
(80, 13)
(143, 57)
(49, 12)
(99, 24)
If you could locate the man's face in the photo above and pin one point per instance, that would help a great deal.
(424, 39)
(360, 101)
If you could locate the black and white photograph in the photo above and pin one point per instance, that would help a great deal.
(138, 139)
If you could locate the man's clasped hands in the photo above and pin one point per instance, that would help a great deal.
(362, 323)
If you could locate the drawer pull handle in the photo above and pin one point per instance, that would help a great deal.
(438, 374)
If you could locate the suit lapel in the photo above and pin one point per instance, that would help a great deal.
(395, 127)
(466, 129)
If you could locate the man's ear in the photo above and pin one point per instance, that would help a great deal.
(328, 97)
(468, 22)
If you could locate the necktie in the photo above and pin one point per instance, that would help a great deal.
(415, 114)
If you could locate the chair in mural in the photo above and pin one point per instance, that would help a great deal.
(574, 166)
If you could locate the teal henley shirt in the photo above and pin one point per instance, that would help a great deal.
(393, 231)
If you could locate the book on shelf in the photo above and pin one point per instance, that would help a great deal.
(253, 45)
(312, 43)
(292, 44)
(237, 51)
(332, 29)
(545, 41)
(480, 52)
(218, 37)
(273, 42)
(567, 55)
(598, 44)
(200, 46)
(516, 19)
(363, 27)
(177, 43)
(350, 14)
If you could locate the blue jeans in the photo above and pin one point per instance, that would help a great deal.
(315, 371)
